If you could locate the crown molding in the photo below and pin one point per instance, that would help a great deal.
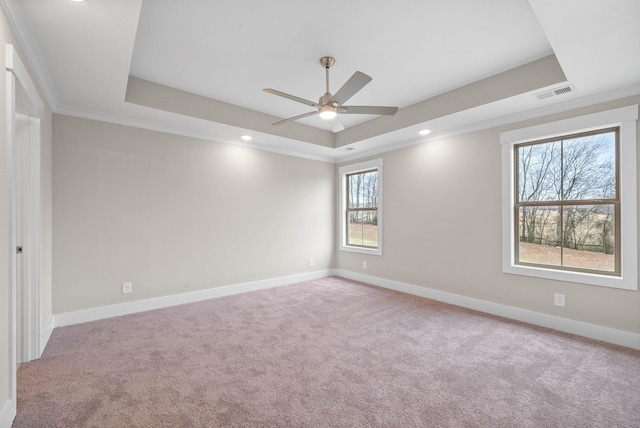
(29, 47)
(151, 125)
(573, 104)
(342, 156)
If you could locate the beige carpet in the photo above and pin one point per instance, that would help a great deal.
(325, 353)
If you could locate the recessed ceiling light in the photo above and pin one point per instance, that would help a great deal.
(424, 132)
(77, 1)
(247, 137)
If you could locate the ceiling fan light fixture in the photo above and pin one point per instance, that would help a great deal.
(329, 106)
(327, 113)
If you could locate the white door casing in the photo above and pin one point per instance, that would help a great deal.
(24, 136)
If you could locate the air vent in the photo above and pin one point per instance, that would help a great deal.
(554, 92)
(561, 91)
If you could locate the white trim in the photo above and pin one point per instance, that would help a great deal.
(586, 123)
(8, 414)
(494, 122)
(605, 334)
(46, 334)
(15, 65)
(29, 100)
(342, 181)
(12, 300)
(94, 314)
(17, 18)
(31, 104)
(151, 125)
(625, 118)
(592, 331)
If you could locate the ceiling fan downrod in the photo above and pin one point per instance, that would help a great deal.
(326, 62)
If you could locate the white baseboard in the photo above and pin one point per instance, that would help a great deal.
(8, 414)
(94, 314)
(592, 331)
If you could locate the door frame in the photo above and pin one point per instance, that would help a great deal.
(22, 95)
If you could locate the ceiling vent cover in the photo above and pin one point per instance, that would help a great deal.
(554, 92)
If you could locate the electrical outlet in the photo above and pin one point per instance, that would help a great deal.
(558, 299)
(364, 265)
(126, 287)
(310, 262)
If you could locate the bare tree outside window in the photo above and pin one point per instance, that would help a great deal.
(567, 202)
(362, 209)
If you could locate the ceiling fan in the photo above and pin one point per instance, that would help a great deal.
(329, 106)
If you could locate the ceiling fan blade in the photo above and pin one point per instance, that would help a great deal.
(291, 119)
(349, 89)
(290, 97)
(335, 124)
(368, 110)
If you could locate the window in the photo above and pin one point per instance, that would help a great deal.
(569, 200)
(361, 207)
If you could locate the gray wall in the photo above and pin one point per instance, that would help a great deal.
(174, 214)
(442, 230)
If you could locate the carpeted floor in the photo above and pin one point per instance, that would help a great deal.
(325, 353)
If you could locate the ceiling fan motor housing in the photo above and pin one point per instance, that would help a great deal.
(324, 100)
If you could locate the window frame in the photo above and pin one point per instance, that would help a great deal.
(623, 118)
(561, 203)
(343, 172)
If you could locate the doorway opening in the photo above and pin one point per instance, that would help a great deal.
(24, 135)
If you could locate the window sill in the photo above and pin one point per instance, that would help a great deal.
(361, 250)
(577, 277)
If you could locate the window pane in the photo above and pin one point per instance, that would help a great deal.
(539, 172)
(361, 206)
(363, 190)
(363, 228)
(589, 167)
(539, 235)
(589, 237)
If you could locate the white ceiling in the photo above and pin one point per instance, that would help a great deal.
(434, 59)
(232, 53)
